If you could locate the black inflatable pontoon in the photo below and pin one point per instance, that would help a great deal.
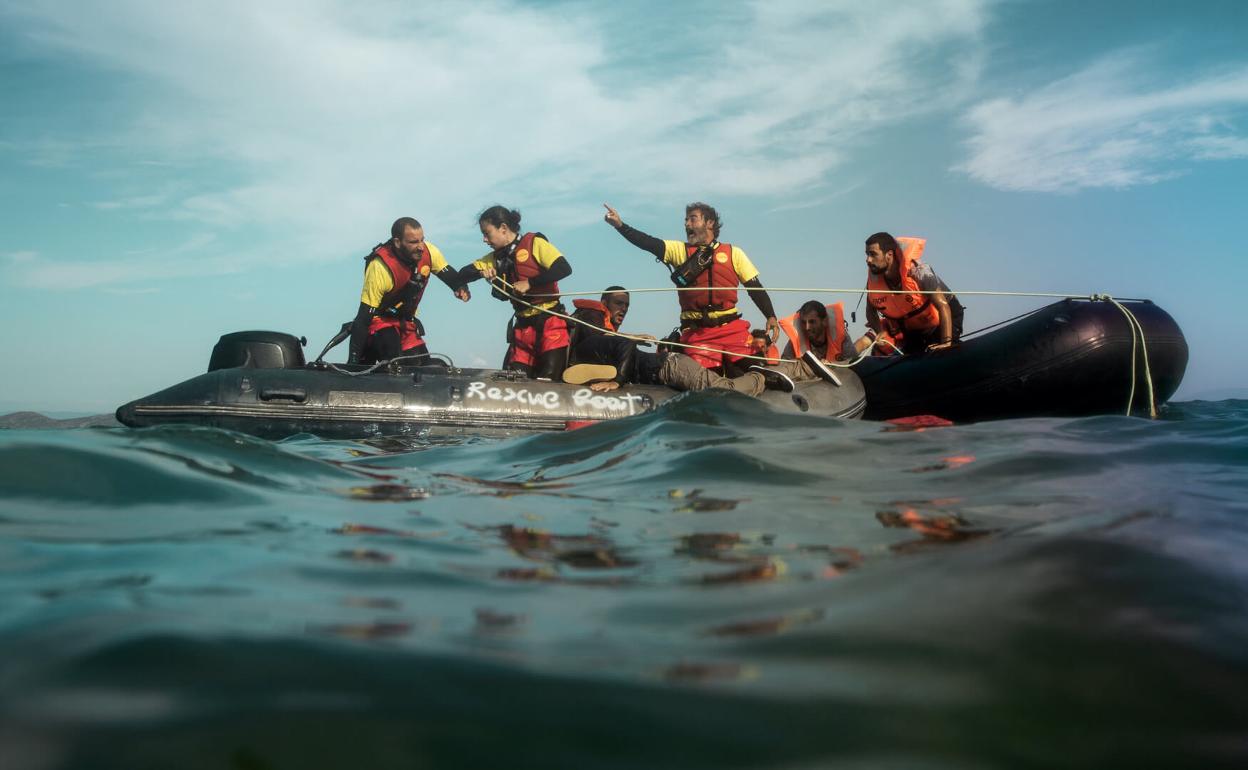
(258, 383)
(1070, 358)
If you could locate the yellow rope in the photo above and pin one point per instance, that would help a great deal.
(1133, 324)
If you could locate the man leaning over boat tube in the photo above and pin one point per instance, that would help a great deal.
(709, 318)
(396, 273)
(910, 321)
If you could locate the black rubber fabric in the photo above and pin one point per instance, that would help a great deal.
(611, 351)
(386, 344)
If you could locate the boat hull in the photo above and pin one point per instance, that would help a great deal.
(424, 401)
(1071, 358)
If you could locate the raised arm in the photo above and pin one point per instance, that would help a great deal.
(634, 236)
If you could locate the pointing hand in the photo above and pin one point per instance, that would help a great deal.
(612, 217)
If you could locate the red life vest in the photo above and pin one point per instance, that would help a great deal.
(720, 281)
(597, 307)
(903, 312)
(792, 326)
(398, 306)
(402, 273)
(523, 266)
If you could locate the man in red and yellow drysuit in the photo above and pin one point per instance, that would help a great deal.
(396, 274)
(710, 272)
(922, 315)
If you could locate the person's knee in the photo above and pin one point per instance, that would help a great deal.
(550, 364)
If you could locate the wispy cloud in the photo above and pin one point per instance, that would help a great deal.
(21, 257)
(322, 122)
(1103, 127)
(175, 261)
(131, 291)
(131, 202)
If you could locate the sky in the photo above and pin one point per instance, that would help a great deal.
(171, 172)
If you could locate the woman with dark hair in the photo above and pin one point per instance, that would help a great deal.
(525, 268)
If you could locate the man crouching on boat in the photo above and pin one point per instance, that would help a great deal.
(922, 314)
(396, 273)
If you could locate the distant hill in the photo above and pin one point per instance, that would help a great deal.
(36, 421)
(1220, 394)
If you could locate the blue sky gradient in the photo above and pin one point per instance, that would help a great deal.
(173, 172)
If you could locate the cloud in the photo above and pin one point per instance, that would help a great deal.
(324, 119)
(131, 291)
(24, 256)
(1101, 127)
(174, 261)
(131, 202)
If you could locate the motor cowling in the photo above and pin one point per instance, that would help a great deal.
(257, 350)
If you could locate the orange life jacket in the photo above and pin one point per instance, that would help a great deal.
(911, 311)
(597, 307)
(720, 281)
(792, 326)
(523, 266)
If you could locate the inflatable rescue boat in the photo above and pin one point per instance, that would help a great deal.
(258, 383)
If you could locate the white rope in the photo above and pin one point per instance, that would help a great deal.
(505, 286)
(808, 290)
(1132, 322)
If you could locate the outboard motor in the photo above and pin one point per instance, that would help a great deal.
(257, 350)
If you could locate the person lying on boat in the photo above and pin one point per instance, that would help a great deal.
(910, 322)
(708, 318)
(762, 346)
(605, 361)
(396, 273)
(530, 268)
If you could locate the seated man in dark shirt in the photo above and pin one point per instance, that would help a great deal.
(593, 348)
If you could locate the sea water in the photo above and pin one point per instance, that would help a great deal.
(713, 585)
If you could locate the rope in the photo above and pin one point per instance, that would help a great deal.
(377, 365)
(1001, 323)
(809, 290)
(1138, 341)
(504, 288)
(1133, 324)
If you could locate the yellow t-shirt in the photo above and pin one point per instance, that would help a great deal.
(378, 282)
(545, 253)
(675, 253)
